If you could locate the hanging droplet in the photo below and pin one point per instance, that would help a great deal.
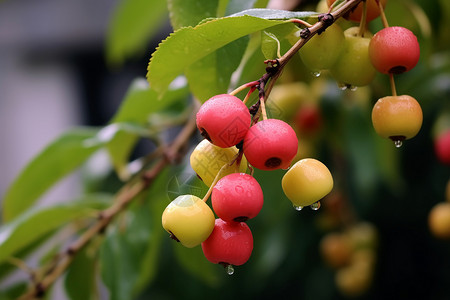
(353, 88)
(315, 73)
(342, 86)
(398, 143)
(298, 208)
(229, 269)
(315, 206)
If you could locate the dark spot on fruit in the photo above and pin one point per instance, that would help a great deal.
(397, 70)
(205, 134)
(173, 237)
(397, 138)
(199, 177)
(273, 162)
(240, 219)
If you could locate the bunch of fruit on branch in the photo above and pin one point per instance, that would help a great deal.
(239, 136)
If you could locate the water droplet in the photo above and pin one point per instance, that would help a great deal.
(353, 88)
(315, 206)
(398, 143)
(229, 269)
(298, 208)
(342, 86)
(315, 73)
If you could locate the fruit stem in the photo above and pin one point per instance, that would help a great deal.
(252, 89)
(301, 22)
(362, 23)
(243, 87)
(392, 82)
(263, 108)
(382, 14)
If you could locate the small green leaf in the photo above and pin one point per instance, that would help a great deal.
(79, 283)
(189, 44)
(139, 102)
(270, 45)
(61, 157)
(132, 25)
(35, 223)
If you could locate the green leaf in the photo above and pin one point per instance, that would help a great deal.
(132, 25)
(211, 75)
(276, 14)
(79, 283)
(34, 224)
(190, 12)
(189, 44)
(139, 102)
(58, 159)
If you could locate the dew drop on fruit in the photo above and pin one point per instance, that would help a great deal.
(298, 208)
(316, 73)
(353, 88)
(315, 206)
(229, 269)
(398, 143)
(342, 86)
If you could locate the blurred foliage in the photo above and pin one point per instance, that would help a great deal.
(375, 183)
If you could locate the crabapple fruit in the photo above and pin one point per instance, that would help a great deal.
(207, 160)
(306, 182)
(442, 147)
(439, 220)
(397, 117)
(189, 220)
(323, 50)
(353, 67)
(230, 243)
(223, 120)
(394, 50)
(237, 197)
(355, 15)
(270, 144)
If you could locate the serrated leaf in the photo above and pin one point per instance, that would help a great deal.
(131, 27)
(139, 102)
(189, 44)
(79, 282)
(58, 159)
(34, 224)
(275, 14)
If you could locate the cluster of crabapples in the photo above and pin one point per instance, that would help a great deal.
(235, 142)
(353, 57)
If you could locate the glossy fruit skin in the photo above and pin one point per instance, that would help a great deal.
(356, 14)
(442, 147)
(353, 67)
(394, 50)
(230, 243)
(189, 219)
(439, 220)
(237, 197)
(207, 160)
(397, 116)
(323, 50)
(223, 120)
(270, 144)
(306, 182)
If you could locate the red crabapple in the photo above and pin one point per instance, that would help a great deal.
(394, 50)
(355, 15)
(308, 119)
(223, 120)
(442, 147)
(237, 197)
(230, 243)
(270, 144)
